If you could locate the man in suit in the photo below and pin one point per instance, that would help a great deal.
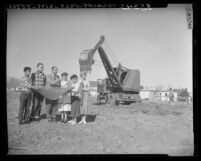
(52, 80)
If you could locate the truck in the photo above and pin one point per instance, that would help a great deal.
(122, 85)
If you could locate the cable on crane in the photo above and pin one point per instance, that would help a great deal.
(109, 52)
(112, 52)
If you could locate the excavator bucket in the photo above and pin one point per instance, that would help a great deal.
(86, 60)
(86, 57)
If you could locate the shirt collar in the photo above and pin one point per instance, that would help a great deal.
(54, 76)
(26, 77)
(39, 72)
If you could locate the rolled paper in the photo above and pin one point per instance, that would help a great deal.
(53, 93)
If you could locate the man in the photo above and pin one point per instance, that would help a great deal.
(52, 80)
(38, 81)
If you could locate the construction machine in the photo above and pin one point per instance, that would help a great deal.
(122, 83)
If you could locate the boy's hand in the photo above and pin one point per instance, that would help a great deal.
(79, 95)
(30, 86)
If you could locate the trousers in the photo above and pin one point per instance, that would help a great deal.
(51, 109)
(37, 104)
(25, 102)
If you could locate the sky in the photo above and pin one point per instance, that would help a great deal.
(157, 42)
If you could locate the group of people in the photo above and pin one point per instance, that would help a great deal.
(68, 104)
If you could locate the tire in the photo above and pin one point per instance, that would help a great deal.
(116, 103)
(127, 103)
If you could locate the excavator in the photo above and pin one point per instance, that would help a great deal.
(122, 83)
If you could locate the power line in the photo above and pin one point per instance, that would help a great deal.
(109, 52)
(96, 60)
(98, 64)
(112, 52)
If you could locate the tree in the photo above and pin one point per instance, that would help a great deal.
(183, 94)
(159, 87)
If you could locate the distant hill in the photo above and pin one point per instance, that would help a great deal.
(12, 82)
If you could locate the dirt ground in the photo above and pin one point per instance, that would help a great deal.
(149, 127)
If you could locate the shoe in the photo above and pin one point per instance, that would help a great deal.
(73, 123)
(80, 122)
(62, 120)
(27, 122)
(84, 122)
(70, 121)
(32, 119)
(37, 118)
(65, 121)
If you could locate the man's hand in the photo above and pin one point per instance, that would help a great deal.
(58, 81)
(35, 88)
(29, 86)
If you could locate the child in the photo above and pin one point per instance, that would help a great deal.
(25, 96)
(85, 97)
(64, 102)
(75, 99)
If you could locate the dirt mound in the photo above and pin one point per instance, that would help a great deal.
(139, 128)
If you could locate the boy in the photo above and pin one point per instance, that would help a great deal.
(25, 96)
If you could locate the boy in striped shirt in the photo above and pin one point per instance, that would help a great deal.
(25, 96)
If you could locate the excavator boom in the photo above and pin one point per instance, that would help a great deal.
(114, 82)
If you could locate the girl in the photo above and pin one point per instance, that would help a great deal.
(85, 97)
(65, 101)
(75, 99)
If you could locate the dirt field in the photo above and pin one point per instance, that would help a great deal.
(140, 128)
